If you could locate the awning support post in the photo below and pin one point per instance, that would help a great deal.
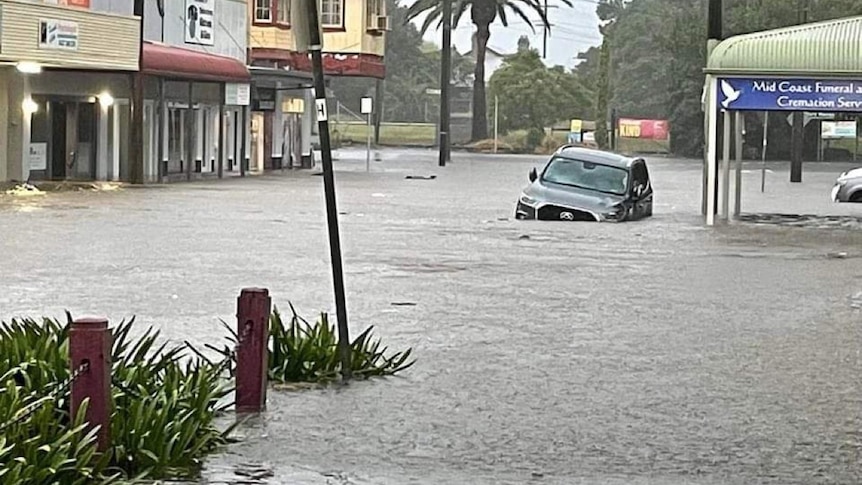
(711, 149)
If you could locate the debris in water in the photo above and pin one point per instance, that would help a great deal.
(403, 303)
(24, 190)
(841, 255)
(420, 177)
(523, 236)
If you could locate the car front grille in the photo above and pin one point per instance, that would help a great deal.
(524, 212)
(557, 213)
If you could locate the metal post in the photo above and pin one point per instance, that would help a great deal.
(243, 161)
(725, 167)
(445, 77)
(252, 315)
(740, 146)
(90, 358)
(496, 120)
(163, 169)
(136, 142)
(763, 151)
(368, 146)
(712, 150)
(796, 145)
(221, 141)
(545, 32)
(613, 129)
(316, 48)
(378, 113)
(190, 136)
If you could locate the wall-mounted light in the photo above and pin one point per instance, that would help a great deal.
(27, 67)
(106, 100)
(29, 106)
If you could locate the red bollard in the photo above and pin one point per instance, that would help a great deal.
(90, 357)
(252, 353)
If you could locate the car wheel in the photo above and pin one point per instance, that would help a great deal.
(857, 197)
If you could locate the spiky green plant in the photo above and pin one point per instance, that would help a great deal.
(300, 351)
(165, 403)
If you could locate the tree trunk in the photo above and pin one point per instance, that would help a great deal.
(480, 105)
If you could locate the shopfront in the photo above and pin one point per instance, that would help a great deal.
(282, 118)
(201, 123)
(63, 96)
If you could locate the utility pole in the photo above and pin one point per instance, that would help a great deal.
(136, 145)
(546, 29)
(445, 82)
(316, 48)
(797, 137)
(545, 33)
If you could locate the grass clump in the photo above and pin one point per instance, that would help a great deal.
(165, 403)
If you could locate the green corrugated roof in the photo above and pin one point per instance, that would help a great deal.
(831, 48)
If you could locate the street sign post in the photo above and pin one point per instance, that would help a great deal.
(367, 108)
(312, 40)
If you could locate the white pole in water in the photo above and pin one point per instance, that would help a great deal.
(763, 155)
(368, 147)
(496, 118)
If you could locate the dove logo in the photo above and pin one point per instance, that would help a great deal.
(730, 94)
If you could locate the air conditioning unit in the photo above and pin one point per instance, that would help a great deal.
(382, 23)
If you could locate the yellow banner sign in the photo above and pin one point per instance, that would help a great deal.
(293, 105)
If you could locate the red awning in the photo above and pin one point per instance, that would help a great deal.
(176, 62)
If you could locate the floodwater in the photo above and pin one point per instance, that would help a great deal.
(653, 352)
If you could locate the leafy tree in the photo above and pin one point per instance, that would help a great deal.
(533, 96)
(412, 66)
(657, 54)
(482, 13)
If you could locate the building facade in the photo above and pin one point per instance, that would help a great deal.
(62, 114)
(224, 91)
(199, 88)
(353, 45)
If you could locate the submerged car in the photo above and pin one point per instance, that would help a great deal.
(848, 187)
(579, 184)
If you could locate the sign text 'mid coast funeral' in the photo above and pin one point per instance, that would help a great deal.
(789, 95)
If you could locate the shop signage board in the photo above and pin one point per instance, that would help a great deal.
(771, 94)
(199, 24)
(58, 34)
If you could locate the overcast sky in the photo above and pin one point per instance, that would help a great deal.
(573, 29)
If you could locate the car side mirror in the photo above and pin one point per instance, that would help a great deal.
(533, 174)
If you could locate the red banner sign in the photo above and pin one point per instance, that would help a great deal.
(71, 3)
(644, 129)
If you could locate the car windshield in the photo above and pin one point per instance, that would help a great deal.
(587, 175)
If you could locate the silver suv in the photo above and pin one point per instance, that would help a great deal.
(848, 187)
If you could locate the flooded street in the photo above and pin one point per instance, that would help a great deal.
(653, 352)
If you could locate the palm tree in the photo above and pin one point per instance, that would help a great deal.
(482, 13)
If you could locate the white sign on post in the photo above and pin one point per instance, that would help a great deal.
(320, 105)
(199, 22)
(367, 106)
(237, 94)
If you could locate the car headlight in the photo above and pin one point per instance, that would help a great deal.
(527, 200)
(615, 212)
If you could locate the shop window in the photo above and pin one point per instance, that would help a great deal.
(263, 11)
(332, 13)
